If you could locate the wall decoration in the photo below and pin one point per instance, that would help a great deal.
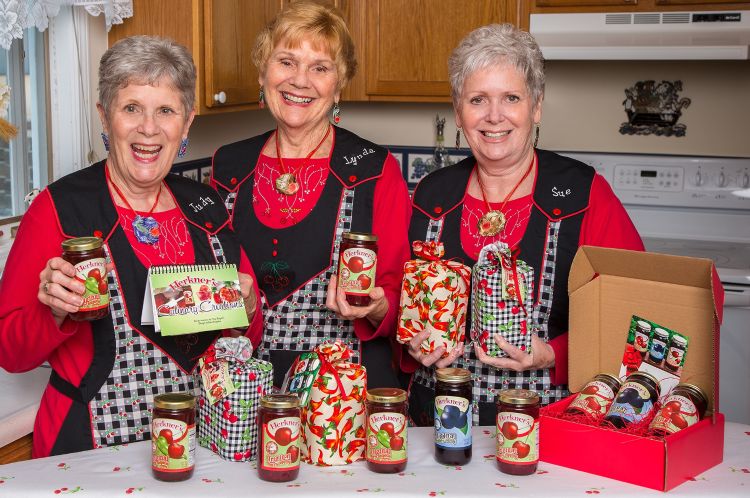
(654, 109)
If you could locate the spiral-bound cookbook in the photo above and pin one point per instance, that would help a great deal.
(185, 299)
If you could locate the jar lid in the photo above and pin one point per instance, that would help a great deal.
(644, 375)
(279, 401)
(82, 244)
(678, 339)
(643, 325)
(518, 397)
(693, 389)
(613, 378)
(174, 401)
(453, 375)
(360, 236)
(386, 395)
(661, 332)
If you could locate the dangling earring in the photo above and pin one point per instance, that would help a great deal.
(458, 138)
(262, 99)
(105, 139)
(536, 136)
(336, 113)
(183, 148)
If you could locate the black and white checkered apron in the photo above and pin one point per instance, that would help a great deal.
(121, 410)
(487, 380)
(301, 322)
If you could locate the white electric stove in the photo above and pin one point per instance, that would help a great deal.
(686, 205)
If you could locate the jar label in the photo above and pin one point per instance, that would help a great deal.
(357, 271)
(279, 447)
(172, 445)
(633, 403)
(517, 438)
(594, 399)
(677, 413)
(93, 274)
(386, 437)
(675, 356)
(452, 422)
(657, 350)
(641, 340)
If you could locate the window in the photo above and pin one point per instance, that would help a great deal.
(24, 160)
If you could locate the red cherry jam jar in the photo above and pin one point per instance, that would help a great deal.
(634, 401)
(453, 412)
(517, 449)
(278, 437)
(86, 254)
(358, 258)
(683, 407)
(386, 430)
(596, 397)
(173, 437)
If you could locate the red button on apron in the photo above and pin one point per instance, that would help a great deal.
(275, 241)
(352, 178)
(274, 253)
(438, 210)
(233, 181)
(98, 233)
(209, 225)
(556, 212)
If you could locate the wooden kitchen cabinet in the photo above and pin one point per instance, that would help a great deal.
(17, 451)
(219, 34)
(409, 41)
(564, 6)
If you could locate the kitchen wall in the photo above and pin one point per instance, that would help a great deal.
(582, 110)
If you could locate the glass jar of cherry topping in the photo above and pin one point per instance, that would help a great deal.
(596, 397)
(386, 430)
(86, 254)
(683, 407)
(358, 257)
(173, 437)
(517, 449)
(278, 437)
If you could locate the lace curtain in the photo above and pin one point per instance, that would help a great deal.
(17, 15)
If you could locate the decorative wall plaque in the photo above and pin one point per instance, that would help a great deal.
(654, 109)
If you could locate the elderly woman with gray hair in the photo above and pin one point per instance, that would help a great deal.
(539, 203)
(106, 372)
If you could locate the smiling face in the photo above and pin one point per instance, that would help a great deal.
(145, 126)
(497, 115)
(300, 85)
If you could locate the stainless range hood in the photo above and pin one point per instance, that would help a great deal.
(643, 35)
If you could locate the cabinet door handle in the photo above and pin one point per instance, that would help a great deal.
(220, 97)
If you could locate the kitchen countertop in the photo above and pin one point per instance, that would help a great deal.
(20, 394)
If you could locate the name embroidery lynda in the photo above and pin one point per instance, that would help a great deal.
(202, 202)
(353, 159)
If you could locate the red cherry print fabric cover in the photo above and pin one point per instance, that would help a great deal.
(434, 297)
(232, 383)
(501, 300)
(333, 420)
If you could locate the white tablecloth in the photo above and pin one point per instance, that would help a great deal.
(125, 471)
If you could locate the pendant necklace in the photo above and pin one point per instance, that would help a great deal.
(145, 228)
(493, 221)
(286, 182)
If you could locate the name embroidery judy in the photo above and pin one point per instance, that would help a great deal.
(353, 159)
(202, 202)
(561, 193)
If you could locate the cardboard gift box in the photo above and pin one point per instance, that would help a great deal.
(434, 297)
(607, 287)
(232, 383)
(333, 418)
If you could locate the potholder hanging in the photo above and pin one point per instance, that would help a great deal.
(501, 299)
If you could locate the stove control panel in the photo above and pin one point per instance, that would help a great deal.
(679, 181)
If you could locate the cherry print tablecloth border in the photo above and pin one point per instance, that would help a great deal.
(125, 470)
